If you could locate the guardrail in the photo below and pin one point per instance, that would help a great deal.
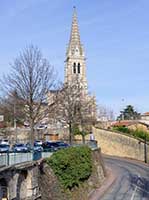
(7, 159)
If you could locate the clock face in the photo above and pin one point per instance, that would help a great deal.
(76, 52)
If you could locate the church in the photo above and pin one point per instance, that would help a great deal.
(75, 70)
(75, 67)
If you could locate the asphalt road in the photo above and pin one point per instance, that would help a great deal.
(132, 180)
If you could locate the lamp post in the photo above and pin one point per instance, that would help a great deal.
(122, 109)
(145, 149)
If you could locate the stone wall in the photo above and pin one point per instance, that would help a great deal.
(35, 181)
(120, 145)
(21, 182)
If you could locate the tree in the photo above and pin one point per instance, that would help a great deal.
(73, 107)
(104, 113)
(128, 114)
(31, 77)
(12, 107)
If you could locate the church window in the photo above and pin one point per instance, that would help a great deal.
(74, 68)
(78, 68)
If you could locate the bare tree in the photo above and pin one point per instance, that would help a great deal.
(72, 107)
(104, 113)
(31, 77)
(12, 107)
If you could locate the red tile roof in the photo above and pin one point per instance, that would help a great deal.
(124, 123)
(146, 113)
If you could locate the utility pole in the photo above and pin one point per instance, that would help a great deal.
(145, 150)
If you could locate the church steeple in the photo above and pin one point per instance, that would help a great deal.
(75, 35)
(75, 59)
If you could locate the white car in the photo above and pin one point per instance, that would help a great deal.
(4, 141)
(38, 142)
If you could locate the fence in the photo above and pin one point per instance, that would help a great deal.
(7, 159)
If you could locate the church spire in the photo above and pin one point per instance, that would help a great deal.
(74, 40)
(75, 35)
(75, 58)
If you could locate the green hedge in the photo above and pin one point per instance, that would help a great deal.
(122, 129)
(138, 133)
(71, 165)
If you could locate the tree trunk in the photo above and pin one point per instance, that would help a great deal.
(32, 132)
(83, 139)
(70, 134)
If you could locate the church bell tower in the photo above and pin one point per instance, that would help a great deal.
(75, 68)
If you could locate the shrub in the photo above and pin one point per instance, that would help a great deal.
(71, 165)
(122, 129)
(140, 134)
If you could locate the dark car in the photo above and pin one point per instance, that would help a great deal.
(50, 146)
(54, 146)
(4, 148)
(20, 148)
(62, 145)
(38, 147)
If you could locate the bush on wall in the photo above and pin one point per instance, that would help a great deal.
(72, 165)
(138, 133)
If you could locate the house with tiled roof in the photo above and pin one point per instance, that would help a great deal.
(145, 116)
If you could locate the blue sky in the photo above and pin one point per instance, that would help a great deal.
(115, 35)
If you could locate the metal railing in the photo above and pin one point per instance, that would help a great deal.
(10, 158)
(7, 159)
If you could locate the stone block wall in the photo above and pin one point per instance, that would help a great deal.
(117, 144)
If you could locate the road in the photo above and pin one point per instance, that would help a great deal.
(132, 180)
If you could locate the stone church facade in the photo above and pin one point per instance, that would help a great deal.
(75, 63)
(75, 67)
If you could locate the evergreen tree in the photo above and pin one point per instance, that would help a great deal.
(128, 114)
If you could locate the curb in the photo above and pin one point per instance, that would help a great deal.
(107, 183)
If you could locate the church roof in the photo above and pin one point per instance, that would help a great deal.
(75, 35)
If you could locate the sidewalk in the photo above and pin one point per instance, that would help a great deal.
(110, 179)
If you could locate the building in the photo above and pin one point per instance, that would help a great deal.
(75, 72)
(145, 116)
(75, 66)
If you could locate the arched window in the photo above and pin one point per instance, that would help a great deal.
(79, 68)
(3, 189)
(74, 68)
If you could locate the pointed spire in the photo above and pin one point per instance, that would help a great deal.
(75, 36)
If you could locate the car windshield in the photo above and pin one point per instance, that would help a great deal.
(37, 145)
(20, 145)
(3, 145)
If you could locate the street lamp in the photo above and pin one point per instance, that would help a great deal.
(145, 149)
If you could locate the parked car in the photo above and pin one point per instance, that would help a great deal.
(4, 148)
(37, 147)
(4, 141)
(54, 146)
(20, 147)
(38, 142)
(41, 126)
(62, 145)
(49, 146)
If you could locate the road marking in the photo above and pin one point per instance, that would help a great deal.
(135, 190)
(133, 194)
